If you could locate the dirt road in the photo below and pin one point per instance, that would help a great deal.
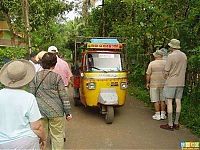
(133, 128)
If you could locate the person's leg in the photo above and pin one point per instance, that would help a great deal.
(157, 106)
(56, 126)
(169, 112)
(163, 110)
(179, 93)
(169, 93)
(156, 116)
(178, 111)
(155, 99)
(162, 105)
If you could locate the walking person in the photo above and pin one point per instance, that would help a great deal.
(63, 69)
(175, 70)
(52, 99)
(33, 60)
(20, 125)
(155, 83)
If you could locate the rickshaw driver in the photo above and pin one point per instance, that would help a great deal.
(90, 62)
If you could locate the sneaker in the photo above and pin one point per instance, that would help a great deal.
(167, 127)
(163, 116)
(156, 117)
(176, 126)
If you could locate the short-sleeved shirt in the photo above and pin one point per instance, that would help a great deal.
(62, 68)
(17, 109)
(175, 69)
(38, 67)
(155, 70)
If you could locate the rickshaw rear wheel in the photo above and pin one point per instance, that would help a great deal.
(109, 117)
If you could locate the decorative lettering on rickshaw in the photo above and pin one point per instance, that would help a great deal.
(104, 46)
(108, 75)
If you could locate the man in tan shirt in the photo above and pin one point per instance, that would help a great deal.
(175, 70)
(155, 82)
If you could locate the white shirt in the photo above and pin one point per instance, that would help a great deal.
(17, 109)
(38, 67)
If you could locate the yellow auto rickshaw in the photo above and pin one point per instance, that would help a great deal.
(100, 76)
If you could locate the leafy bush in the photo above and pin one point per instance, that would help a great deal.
(190, 115)
(140, 94)
(11, 53)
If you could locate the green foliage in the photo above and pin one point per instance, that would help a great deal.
(45, 18)
(138, 71)
(140, 94)
(11, 53)
(190, 114)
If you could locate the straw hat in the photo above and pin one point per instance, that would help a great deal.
(40, 55)
(158, 53)
(53, 49)
(174, 43)
(17, 73)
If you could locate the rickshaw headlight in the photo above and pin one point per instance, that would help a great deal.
(124, 85)
(91, 86)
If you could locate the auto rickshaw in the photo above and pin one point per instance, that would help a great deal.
(100, 76)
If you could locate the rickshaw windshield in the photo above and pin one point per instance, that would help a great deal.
(104, 62)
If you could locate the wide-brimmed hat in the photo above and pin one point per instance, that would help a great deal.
(174, 43)
(40, 55)
(17, 73)
(53, 49)
(158, 53)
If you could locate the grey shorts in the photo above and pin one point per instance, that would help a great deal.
(173, 92)
(156, 94)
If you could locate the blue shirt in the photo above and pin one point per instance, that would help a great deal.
(17, 109)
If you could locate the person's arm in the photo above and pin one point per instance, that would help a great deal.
(148, 76)
(38, 129)
(69, 75)
(167, 67)
(32, 87)
(65, 99)
(147, 81)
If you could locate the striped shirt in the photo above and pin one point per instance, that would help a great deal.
(155, 70)
(52, 98)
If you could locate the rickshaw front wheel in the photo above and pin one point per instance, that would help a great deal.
(109, 117)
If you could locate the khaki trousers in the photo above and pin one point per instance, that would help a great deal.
(54, 127)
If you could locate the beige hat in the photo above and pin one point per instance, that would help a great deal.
(17, 73)
(53, 49)
(40, 55)
(158, 53)
(174, 43)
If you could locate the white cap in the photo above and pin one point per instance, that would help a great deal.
(53, 49)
